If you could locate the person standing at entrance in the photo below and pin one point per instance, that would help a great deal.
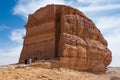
(30, 61)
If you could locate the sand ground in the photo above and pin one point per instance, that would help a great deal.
(43, 72)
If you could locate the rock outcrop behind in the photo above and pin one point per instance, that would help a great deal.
(63, 32)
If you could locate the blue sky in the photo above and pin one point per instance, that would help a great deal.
(14, 13)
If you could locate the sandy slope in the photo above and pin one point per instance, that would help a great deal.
(35, 72)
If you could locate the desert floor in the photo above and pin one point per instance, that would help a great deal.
(43, 72)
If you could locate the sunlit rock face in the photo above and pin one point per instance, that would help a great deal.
(63, 32)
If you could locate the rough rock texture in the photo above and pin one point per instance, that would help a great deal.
(58, 31)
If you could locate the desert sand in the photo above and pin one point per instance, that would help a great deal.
(42, 71)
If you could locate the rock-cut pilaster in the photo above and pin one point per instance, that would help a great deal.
(63, 32)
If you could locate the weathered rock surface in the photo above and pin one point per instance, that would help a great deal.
(58, 31)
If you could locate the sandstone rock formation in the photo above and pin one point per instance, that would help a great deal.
(63, 32)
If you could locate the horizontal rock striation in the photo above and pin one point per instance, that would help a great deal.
(63, 32)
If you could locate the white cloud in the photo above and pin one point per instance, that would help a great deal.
(89, 1)
(25, 7)
(2, 27)
(11, 55)
(17, 35)
(98, 2)
(114, 45)
(110, 27)
(99, 7)
(108, 22)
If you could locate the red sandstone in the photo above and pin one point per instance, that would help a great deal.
(63, 32)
